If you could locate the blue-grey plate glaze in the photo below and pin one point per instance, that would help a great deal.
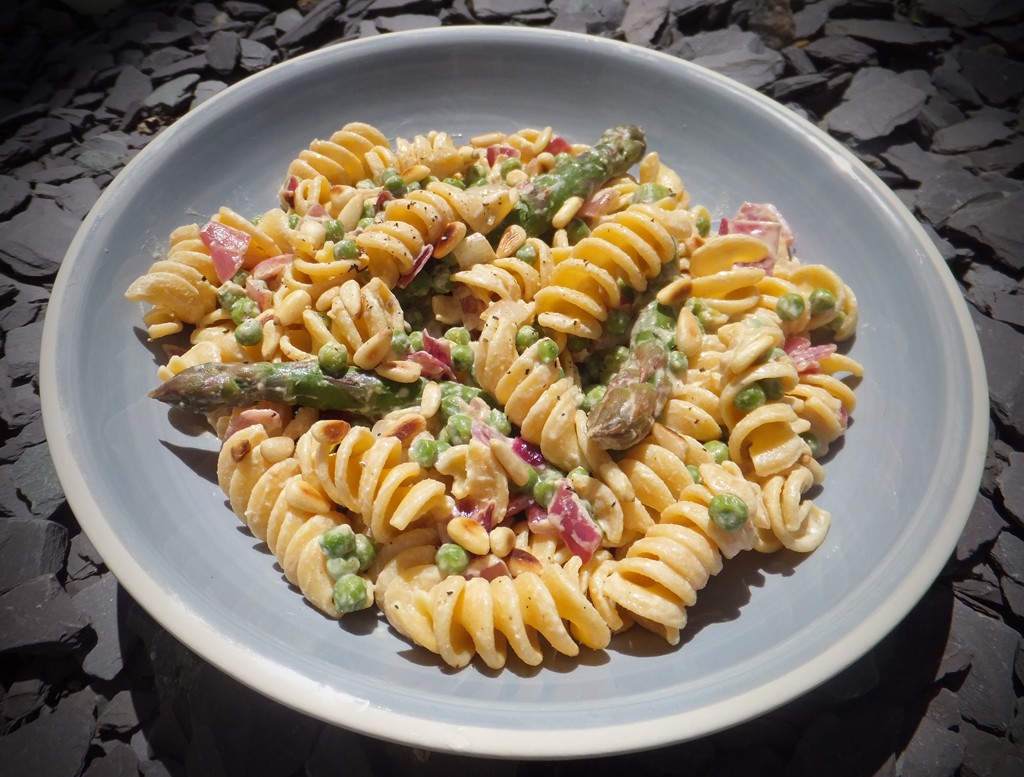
(764, 631)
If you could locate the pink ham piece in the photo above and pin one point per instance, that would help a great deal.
(528, 453)
(270, 269)
(270, 419)
(558, 145)
(804, 355)
(431, 367)
(493, 152)
(227, 248)
(439, 349)
(258, 293)
(575, 526)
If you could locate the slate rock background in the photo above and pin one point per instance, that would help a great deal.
(928, 93)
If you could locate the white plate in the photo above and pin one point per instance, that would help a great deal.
(764, 631)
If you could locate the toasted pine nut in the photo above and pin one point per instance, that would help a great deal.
(482, 141)
(521, 561)
(303, 496)
(402, 371)
(502, 541)
(567, 212)
(373, 351)
(430, 401)
(470, 534)
(452, 235)
(517, 469)
(275, 449)
(676, 291)
(330, 432)
(512, 240)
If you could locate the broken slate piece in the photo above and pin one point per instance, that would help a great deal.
(173, 94)
(222, 51)
(1003, 348)
(942, 195)
(996, 224)
(841, 50)
(407, 21)
(916, 164)
(39, 617)
(970, 135)
(119, 760)
(131, 86)
(29, 549)
(34, 241)
(1011, 489)
(13, 194)
(995, 293)
(997, 79)
(876, 102)
(885, 31)
(809, 20)
(102, 605)
(22, 352)
(1008, 552)
(126, 712)
(977, 12)
(988, 755)
(933, 749)
(321, 15)
(37, 480)
(205, 90)
(771, 20)
(937, 113)
(987, 697)
(24, 697)
(255, 56)
(54, 745)
(491, 10)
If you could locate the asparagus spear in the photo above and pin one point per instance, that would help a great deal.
(207, 387)
(637, 393)
(577, 176)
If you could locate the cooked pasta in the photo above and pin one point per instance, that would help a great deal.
(514, 411)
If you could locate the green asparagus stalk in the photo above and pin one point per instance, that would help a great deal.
(637, 393)
(207, 387)
(577, 176)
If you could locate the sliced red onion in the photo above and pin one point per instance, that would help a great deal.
(520, 503)
(439, 349)
(227, 248)
(288, 191)
(418, 263)
(597, 204)
(382, 198)
(540, 521)
(489, 567)
(528, 453)
(481, 512)
(431, 367)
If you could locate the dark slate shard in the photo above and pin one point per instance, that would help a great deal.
(944, 709)
(222, 51)
(917, 164)
(841, 50)
(240, 727)
(205, 90)
(21, 405)
(950, 81)
(984, 593)
(856, 680)
(997, 79)
(287, 20)
(38, 617)
(124, 713)
(194, 64)
(161, 58)
(970, 135)
(37, 480)
(995, 293)
(243, 10)
(34, 241)
(173, 94)
(987, 697)
(102, 604)
(972, 14)
(1008, 552)
(334, 746)
(989, 756)
(798, 60)
(255, 56)
(933, 751)
(407, 21)
(43, 133)
(861, 741)
(13, 194)
(735, 53)
(1011, 489)
(946, 249)
(24, 698)
(994, 223)
(29, 549)
(54, 745)
(493, 10)
(317, 19)
(1013, 595)
(78, 197)
(53, 175)
(937, 113)
(888, 32)
(119, 761)
(809, 20)
(943, 195)
(131, 86)
(83, 558)
(983, 526)
(793, 87)
(876, 102)
(178, 29)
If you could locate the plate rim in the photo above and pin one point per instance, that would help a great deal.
(309, 697)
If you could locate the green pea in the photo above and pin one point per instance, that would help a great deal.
(333, 359)
(441, 282)
(547, 351)
(475, 175)
(727, 511)
(812, 443)
(414, 318)
(790, 306)
(615, 358)
(424, 452)
(703, 225)
(456, 182)
(678, 363)
(419, 286)
(773, 354)
(243, 309)
(351, 594)
(644, 336)
(365, 552)
(694, 473)
(412, 186)
(532, 478)
(578, 472)
(527, 253)
(249, 332)
(575, 343)
(618, 322)
(240, 278)
(651, 192)
(346, 249)
(395, 186)
(822, 301)
(750, 398)
(416, 340)
(400, 345)
(595, 395)
(293, 221)
(334, 229)
(772, 388)
(462, 357)
(525, 337)
(458, 334)
(339, 567)
(364, 222)
(451, 559)
(544, 492)
(389, 172)
(369, 209)
(339, 541)
(837, 322)
(718, 450)
(498, 421)
(459, 429)
(576, 230)
(509, 165)
(451, 405)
